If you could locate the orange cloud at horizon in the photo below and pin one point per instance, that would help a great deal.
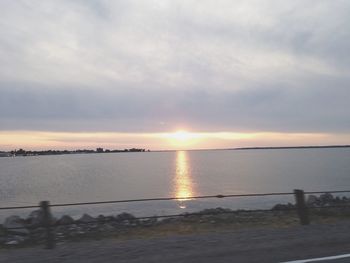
(37, 140)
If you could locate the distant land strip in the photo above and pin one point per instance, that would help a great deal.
(22, 152)
(291, 147)
(261, 148)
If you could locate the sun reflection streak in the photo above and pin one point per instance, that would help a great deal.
(183, 182)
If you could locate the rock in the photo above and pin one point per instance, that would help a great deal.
(73, 227)
(280, 207)
(109, 219)
(12, 220)
(326, 198)
(15, 240)
(125, 217)
(86, 219)
(101, 218)
(65, 220)
(61, 229)
(19, 239)
(312, 200)
(169, 220)
(15, 222)
(35, 218)
(12, 242)
(2, 231)
(150, 221)
(214, 211)
(106, 227)
(2, 240)
(105, 219)
(337, 200)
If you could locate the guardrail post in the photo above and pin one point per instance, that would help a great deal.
(47, 222)
(301, 207)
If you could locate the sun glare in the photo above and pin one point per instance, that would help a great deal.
(182, 135)
(182, 138)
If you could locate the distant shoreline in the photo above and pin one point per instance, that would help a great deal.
(261, 148)
(65, 152)
(292, 147)
(23, 153)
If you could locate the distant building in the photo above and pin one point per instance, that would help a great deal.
(99, 150)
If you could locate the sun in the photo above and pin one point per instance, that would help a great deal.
(182, 136)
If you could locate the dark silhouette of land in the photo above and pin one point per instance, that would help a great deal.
(263, 148)
(22, 152)
(292, 147)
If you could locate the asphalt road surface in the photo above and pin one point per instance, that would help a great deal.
(247, 245)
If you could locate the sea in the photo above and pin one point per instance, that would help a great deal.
(81, 178)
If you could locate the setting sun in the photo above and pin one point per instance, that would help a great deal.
(183, 136)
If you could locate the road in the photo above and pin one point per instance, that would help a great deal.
(246, 245)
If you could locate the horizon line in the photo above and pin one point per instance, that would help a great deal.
(204, 149)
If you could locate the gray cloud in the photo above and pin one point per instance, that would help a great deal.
(146, 66)
(271, 108)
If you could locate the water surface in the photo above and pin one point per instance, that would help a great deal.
(182, 174)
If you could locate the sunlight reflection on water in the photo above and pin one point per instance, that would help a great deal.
(183, 181)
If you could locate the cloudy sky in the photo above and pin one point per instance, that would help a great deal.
(127, 73)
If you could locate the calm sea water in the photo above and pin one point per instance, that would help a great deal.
(117, 176)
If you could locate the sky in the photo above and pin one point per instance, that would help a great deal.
(133, 73)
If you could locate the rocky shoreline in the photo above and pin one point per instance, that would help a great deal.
(17, 231)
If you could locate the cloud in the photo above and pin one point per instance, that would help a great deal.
(271, 108)
(150, 66)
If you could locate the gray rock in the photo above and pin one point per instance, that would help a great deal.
(280, 207)
(106, 227)
(2, 231)
(87, 219)
(214, 211)
(15, 240)
(35, 218)
(125, 217)
(12, 220)
(312, 200)
(101, 218)
(15, 222)
(2, 240)
(326, 198)
(65, 220)
(337, 200)
(149, 222)
(169, 220)
(12, 242)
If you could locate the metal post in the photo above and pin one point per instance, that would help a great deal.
(301, 207)
(47, 219)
